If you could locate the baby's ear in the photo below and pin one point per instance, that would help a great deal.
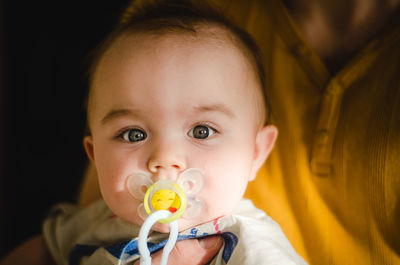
(88, 144)
(265, 141)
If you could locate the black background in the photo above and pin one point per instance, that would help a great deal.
(43, 49)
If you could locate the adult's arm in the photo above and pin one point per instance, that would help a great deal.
(198, 252)
(32, 252)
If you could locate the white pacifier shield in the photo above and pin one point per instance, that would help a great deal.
(191, 180)
(138, 183)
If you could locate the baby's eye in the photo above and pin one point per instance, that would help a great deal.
(201, 132)
(133, 135)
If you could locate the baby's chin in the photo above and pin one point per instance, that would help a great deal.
(183, 224)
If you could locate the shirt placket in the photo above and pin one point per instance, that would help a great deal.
(321, 154)
(326, 127)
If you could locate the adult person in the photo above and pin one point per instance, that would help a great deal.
(332, 69)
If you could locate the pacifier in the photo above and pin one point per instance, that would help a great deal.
(165, 201)
(167, 194)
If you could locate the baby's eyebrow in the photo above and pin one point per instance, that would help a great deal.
(115, 113)
(215, 108)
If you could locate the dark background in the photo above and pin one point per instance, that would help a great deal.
(43, 46)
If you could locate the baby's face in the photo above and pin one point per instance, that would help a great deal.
(163, 105)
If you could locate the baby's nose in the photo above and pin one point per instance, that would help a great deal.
(166, 163)
(158, 165)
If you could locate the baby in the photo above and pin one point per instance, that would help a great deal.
(176, 95)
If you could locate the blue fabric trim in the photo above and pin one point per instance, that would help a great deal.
(132, 246)
(230, 239)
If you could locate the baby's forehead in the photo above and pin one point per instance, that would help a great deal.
(207, 40)
(212, 39)
(212, 42)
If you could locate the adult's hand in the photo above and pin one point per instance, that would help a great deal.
(191, 251)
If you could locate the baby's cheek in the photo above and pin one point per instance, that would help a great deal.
(110, 185)
(222, 197)
(113, 174)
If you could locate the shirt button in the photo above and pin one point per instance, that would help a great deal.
(322, 136)
(335, 87)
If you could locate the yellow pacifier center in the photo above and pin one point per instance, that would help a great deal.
(165, 195)
(166, 200)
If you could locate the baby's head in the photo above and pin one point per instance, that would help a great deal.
(176, 88)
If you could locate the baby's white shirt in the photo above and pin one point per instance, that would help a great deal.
(93, 236)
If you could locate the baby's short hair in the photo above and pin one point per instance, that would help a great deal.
(183, 17)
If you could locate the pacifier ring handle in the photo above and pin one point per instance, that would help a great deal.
(145, 258)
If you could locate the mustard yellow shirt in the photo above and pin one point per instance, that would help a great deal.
(333, 179)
